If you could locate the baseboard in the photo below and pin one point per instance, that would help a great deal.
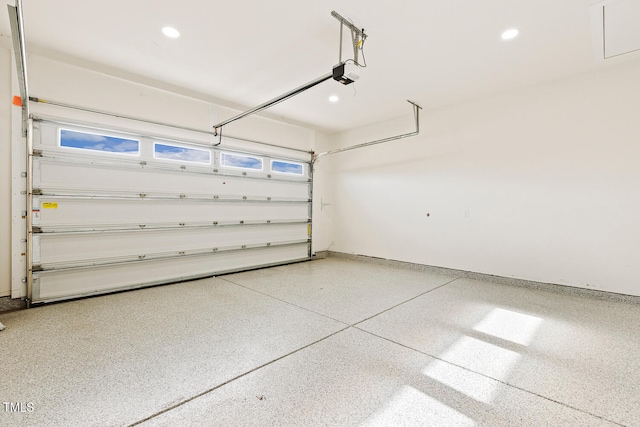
(321, 254)
(8, 304)
(603, 295)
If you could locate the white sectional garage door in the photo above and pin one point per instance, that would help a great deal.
(114, 210)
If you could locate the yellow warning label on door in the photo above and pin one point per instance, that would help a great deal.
(50, 205)
(309, 230)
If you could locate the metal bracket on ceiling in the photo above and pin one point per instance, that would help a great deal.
(416, 116)
(358, 38)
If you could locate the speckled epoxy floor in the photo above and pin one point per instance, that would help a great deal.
(329, 342)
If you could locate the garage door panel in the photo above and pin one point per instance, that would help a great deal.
(85, 247)
(56, 175)
(80, 282)
(59, 211)
(111, 212)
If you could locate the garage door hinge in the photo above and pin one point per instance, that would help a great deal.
(37, 153)
(36, 230)
(36, 192)
(36, 267)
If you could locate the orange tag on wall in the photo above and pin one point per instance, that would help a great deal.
(17, 101)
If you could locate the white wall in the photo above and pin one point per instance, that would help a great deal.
(5, 171)
(56, 80)
(539, 184)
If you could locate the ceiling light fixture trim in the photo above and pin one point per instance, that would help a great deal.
(510, 34)
(170, 32)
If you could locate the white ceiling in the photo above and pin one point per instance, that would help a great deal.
(244, 52)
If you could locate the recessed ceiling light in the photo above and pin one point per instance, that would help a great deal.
(509, 34)
(171, 32)
(334, 98)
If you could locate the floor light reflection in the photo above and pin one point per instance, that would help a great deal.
(470, 384)
(509, 325)
(412, 407)
(480, 356)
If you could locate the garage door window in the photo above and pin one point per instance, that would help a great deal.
(98, 142)
(240, 161)
(182, 154)
(280, 166)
